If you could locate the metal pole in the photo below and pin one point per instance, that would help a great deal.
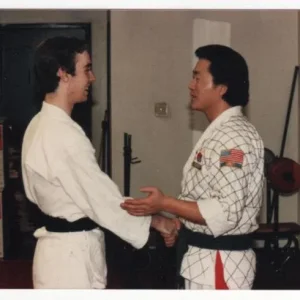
(127, 163)
(296, 72)
(108, 42)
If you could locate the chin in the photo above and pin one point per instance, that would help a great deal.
(193, 106)
(82, 100)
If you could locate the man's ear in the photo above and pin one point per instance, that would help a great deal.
(62, 74)
(222, 89)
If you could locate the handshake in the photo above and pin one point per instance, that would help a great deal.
(151, 205)
(167, 227)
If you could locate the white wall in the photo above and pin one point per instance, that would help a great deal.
(152, 52)
(206, 32)
(151, 61)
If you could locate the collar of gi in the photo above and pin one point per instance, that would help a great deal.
(54, 111)
(225, 115)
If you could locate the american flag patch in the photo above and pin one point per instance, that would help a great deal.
(232, 158)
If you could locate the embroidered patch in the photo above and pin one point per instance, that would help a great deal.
(232, 158)
(199, 157)
(197, 161)
(196, 165)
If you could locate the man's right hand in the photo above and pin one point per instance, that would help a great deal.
(170, 239)
(163, 225)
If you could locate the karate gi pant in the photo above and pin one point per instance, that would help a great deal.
(74, 260)
(220, 283)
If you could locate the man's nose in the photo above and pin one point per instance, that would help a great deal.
(191, 84)
(92, 77)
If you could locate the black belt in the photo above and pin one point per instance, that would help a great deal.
(187, 237)
(55, 224)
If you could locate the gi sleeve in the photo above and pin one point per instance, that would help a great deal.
(227, 172)
(97, 195)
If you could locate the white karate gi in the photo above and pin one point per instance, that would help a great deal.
(62, 177)
(229, 198)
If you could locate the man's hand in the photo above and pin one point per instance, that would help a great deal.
(149, 205)
(170, 239)
(164, 225)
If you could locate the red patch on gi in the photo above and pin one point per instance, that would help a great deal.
(220, 283)
(199, 157)
(232, 158)
(197, 161)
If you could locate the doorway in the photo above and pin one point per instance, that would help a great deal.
(18, 105)
(17, 44)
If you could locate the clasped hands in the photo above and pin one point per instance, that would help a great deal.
(167, 227)
(150, 205)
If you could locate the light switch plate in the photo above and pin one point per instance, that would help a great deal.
(161, 109)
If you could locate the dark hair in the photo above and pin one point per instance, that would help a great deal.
(229, 68)
(52, 54)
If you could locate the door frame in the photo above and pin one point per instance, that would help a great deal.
(6, 28)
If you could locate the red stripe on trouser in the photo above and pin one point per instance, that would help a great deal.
(219, 274)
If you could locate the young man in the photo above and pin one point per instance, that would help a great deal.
(61, 176)
(222, 179)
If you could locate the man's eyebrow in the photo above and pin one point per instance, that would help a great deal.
(196, 72)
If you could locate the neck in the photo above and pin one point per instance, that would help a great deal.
(59, 101)
(214, 112)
